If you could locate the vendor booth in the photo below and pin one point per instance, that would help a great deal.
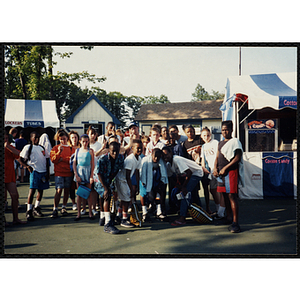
(263, 110)
(30, 115)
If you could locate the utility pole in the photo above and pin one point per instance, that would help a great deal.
(240, 61)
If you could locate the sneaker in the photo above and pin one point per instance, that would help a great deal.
(215, 216)
(146, 219)
(82, 212)
(118, 220)
(64, 211)
(74, 207)
(37, 212)
(234, 228)
(126, 223)
(161, 217)
(95, 213)
(101, 221)
(54, 214)
(109, 228)
(29, 215)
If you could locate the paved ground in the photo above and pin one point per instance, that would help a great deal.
(268, 228)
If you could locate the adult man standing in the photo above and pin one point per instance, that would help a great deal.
(228, 169)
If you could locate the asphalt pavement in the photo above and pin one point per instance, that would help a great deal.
(269, 229)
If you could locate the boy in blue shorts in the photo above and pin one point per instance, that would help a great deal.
(226, 170)
(36, 159)
(108, 167)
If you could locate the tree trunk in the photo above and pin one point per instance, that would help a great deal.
(22, 79)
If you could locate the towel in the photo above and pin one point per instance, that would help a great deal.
(146, 175)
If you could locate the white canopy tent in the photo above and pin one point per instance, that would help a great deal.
(267, 173)
(276, 90)
(30, 113)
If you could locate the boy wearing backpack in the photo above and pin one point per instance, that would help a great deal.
(36, 159)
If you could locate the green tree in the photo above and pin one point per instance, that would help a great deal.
(29, 75)
(155, 100)
(201, 94)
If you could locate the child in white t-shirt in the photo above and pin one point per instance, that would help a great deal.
(155, 142)
(208, 156)
(124, 187)
(37, 160)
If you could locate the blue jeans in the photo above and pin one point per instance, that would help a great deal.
(191, 187)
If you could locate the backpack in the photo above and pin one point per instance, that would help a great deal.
(72, 159)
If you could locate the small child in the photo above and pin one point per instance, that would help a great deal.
(123, 181)
(74, 144)
(36, 159)
(154, 141)
(107, 168)
(154, 178)
(96, 146)
(60, 156)
(83, 166)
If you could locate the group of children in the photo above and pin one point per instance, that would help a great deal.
(114, 169)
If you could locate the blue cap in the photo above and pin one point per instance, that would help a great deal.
(133, 123)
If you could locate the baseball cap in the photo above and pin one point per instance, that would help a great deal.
(133, 123)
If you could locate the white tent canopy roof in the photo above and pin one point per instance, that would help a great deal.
(265, 90)
(31, 113)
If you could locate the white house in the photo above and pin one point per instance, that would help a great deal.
(199, 114)
(91, 112)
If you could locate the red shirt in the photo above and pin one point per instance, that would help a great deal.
(9, 168)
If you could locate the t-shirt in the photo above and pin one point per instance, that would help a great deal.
(9, 171)
(181, 164)
(62, 167)
(130, 163)
(191, 146)
(151, 146)
(37, 158)
(182, 139)
(96, 147)
(209, 150)
(20, 143)
(222, 161)
(45, 142)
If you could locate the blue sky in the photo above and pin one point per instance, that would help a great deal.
(173, 71)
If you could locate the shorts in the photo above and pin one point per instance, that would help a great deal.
(143, 191)
(133, 180)
(38, 181)
(213, 183)
(228, 183)
(123, 190)
(63, 182)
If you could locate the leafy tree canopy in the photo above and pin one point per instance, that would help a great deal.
(201, 94)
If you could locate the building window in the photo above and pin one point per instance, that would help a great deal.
(98, 127)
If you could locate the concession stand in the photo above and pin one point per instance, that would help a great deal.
(263, 111)
(32, 115)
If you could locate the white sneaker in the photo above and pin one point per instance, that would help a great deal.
(82, 212)
(74, 207)
(95, 213)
